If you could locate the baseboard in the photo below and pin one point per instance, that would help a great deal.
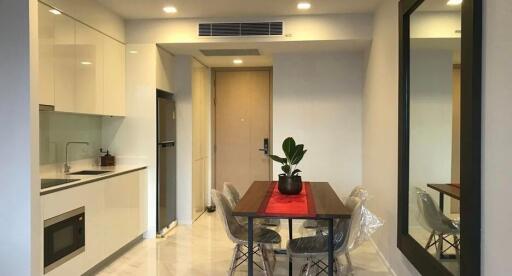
(114, 256)
(382, 258)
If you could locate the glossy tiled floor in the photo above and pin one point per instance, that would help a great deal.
(204, 249)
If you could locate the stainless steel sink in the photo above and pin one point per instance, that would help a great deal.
(51, 182)
(89, 172)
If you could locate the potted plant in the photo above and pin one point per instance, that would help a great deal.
(290, 182)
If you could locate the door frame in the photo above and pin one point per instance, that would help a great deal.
(213, 109)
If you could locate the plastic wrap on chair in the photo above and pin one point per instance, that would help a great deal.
(369, 224)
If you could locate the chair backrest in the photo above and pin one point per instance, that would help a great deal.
(428, 215)
(224, 211)
(360, 192)
(231, 194)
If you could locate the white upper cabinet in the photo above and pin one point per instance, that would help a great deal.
(89, 70)
(164, 71)
(114, 82)
(46, 40)
(64, 63)
(81, 70)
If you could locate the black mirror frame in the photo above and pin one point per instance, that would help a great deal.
(471, 128)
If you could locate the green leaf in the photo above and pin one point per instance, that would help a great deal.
(278, 159)
(297, 156)
(286, 169)
(296, 171)
(289, 147)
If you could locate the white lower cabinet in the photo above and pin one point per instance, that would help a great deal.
(115, 214)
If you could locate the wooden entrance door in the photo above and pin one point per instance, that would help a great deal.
(242, 123)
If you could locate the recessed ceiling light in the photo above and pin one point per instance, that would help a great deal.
(170, 9)
(303, 6)
(454, 2)
(133, 52)
(56, 12)
(238, 61)
(85, 62)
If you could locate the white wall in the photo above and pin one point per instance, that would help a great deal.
(380, 133)
(497, 137)
(435, 24)
(296, 28)
(20, 214)
(430, 147)
(317, 100)
(92, 14)
(133, 138)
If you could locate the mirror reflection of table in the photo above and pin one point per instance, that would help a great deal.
(450, 189)
(327, 206)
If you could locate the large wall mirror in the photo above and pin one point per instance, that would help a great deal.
(440, 110)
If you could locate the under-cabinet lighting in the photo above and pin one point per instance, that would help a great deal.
(85, 62)
(238, 61)
(56, 12)
(454, 2)
(303, 6)
(170, 9)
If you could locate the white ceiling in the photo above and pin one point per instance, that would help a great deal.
(267, 50)
(145, 9)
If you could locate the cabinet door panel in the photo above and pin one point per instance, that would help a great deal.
(64, 63)
(46, 39)
(89, 70)
(114, 88)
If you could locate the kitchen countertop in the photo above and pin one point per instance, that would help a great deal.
(85, 179)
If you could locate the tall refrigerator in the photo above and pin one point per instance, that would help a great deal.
(166, 156)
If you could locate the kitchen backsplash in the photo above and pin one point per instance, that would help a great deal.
(56, 129)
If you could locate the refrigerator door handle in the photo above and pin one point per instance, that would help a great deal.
(169, 143)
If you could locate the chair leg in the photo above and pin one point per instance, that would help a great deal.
(236, 252)
(266, 263)
(349, 262)
(429, 242)
(439, 247)
(456, 243)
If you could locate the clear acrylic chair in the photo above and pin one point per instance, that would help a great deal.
(358, 191)
(440, 226)
(321, 226)
(314, 248)
(263, 238)
(233, 197)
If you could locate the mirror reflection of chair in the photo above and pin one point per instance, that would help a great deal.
(264, 238)
(440, 226)
(233, 197)
(314, 248)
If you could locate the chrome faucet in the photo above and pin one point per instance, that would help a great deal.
(67, 167)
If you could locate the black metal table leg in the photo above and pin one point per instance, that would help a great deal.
(330, 246)
(290, 236)
(441, 201)
(249, 247)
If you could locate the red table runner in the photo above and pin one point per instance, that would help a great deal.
(277, 204)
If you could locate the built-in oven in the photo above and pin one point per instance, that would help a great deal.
(64, 238)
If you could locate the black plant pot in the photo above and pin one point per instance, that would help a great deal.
(290, 185)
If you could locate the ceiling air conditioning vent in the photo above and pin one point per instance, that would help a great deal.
(241, 29)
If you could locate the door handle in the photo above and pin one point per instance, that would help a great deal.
(265, 146)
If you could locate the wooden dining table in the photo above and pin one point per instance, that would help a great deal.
(318, 202)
